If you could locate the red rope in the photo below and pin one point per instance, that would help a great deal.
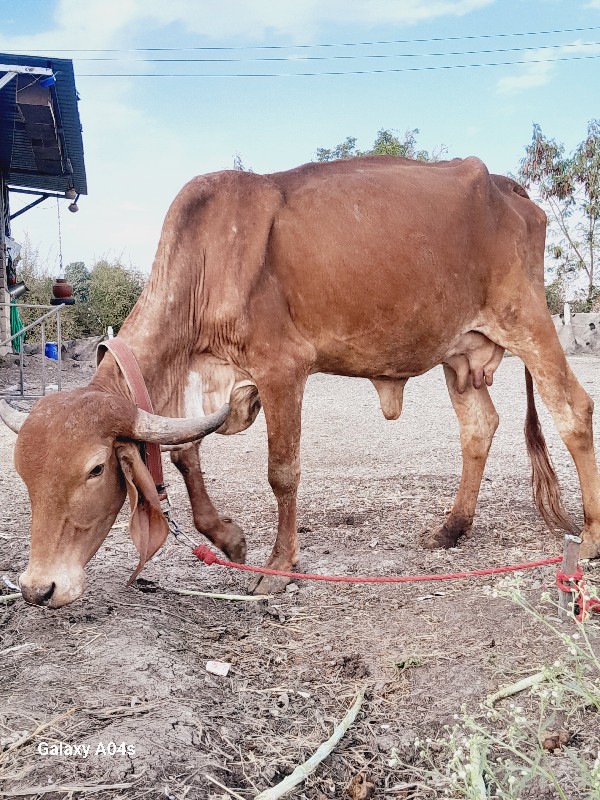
(205, 554)
(583, 602)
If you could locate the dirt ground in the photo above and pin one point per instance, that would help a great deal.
(127, 665)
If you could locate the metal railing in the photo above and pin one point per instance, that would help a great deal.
(41, 321)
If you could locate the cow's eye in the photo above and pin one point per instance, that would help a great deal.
(97, 471)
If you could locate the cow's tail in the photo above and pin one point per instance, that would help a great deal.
(546, 491)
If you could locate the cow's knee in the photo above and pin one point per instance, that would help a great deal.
(284, 479)
(477, 436)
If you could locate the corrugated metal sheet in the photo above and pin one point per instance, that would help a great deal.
(17, 149)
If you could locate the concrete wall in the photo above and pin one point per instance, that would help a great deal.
(581, 335)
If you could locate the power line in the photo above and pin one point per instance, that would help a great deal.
(337, 57)
(309, 46)
(340, 72)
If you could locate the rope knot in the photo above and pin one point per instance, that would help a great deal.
(205, 554)
(584, 604)
(568, 583)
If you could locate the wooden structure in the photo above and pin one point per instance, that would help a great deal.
(41, 147)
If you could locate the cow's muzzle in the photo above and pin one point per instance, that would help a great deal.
(38, 595)
(56, 591)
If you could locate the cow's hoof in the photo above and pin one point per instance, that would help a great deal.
(445, 537)
(589, 550)
(234, 542)
(268, 584)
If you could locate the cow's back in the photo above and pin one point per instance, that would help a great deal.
(371, 252)
(373, 261)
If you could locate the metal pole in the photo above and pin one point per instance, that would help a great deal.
(59, 344)
(4, 312)
(21, 368)
(569, 567)
(43, 327)
(54, 310)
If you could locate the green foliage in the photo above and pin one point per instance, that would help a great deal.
(79, 277)
(569, 188)
(386, 143)
(38, 280)
(346, 149)
(104, 294)
(113, 292)
(556, 295)
(500, 749)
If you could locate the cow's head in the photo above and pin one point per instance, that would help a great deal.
(78, 454)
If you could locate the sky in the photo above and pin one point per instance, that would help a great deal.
(149, 127)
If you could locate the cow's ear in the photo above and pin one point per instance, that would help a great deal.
(147, 524)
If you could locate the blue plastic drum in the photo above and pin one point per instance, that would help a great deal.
(51, 350)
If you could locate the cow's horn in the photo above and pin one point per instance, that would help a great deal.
(13, 418)
(171, 430)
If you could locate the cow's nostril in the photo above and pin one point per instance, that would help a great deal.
(46, 592)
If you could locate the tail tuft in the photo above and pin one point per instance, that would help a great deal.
(546, 491)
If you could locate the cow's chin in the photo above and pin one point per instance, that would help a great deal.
(52, 589)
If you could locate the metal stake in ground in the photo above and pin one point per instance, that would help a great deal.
(569, 567)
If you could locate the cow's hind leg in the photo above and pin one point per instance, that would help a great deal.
(221, 531)
(478, 421)
(535, 341)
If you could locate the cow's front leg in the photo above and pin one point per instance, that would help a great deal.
(282, 404)
(221, 531)
(478, 421)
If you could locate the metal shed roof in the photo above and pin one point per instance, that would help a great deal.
(40, 141)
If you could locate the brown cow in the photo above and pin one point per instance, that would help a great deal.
(377, 267)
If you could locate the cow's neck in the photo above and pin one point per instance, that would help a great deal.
(160, 376)
(158, 331)
(164, 370)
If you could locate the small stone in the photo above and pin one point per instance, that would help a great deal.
(291, 588)
(12, 738)
(220, 668)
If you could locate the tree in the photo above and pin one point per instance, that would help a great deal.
(569, 188)
(238, 164)
(38, 279)
(386, 143)
(104, 294)
(85, 321)
(114, 290)
(78, 276)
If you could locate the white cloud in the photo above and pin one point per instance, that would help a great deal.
(97, 23)
(530, 77)
(111, 23)
(544, 63)
(238, 17)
